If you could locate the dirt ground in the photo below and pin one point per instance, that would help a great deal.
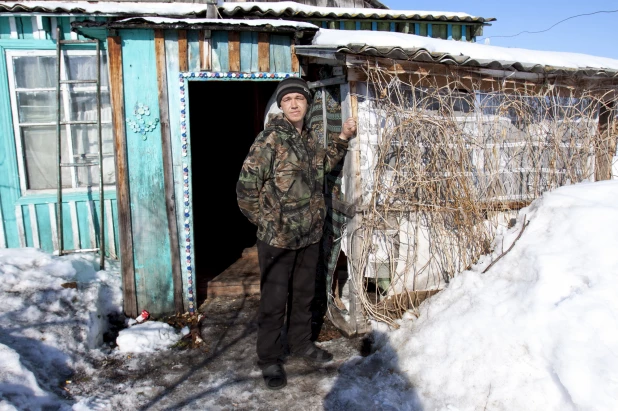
(220, 373)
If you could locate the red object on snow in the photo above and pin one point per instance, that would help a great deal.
(143, 316)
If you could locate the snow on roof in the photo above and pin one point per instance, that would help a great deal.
(239, 22)
(290, 8)
(460, 51)
(105, 8)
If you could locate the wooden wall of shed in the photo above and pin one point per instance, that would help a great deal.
(145, 176)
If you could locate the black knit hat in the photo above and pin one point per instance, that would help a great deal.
(292, 85)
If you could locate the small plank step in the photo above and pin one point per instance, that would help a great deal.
(240, 279)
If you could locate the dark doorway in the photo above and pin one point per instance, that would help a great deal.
(225, 117)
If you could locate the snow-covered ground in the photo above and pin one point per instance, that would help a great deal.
(537, 331)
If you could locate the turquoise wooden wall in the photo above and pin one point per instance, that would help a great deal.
(29, 220)
(151, 240)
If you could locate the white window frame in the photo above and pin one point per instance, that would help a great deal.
(17, 125)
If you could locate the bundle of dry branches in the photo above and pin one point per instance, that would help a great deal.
(445, 165)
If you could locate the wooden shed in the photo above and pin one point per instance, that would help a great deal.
(167, 110)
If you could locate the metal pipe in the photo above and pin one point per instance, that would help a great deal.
(59, 226)
(100, 143)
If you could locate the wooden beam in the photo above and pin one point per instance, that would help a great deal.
(183, 51)
(168, 171)
(263, 52)
(295, 63)
(127, 268)
(233, 39)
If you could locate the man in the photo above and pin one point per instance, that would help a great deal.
(281, 191)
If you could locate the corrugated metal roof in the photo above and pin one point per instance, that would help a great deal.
(425, 56)
(296, 10)
(235, 10)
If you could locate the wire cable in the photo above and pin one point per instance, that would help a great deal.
(554, 25)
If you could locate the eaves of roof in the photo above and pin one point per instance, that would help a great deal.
(424, 56)
(259, 10)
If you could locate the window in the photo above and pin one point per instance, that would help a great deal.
(439, 31)
(32, 80)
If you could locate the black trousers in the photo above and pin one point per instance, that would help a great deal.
(287, 279)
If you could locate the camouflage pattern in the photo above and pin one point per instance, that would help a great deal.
(281, 184)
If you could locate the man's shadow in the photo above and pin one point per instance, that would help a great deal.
(373, 380)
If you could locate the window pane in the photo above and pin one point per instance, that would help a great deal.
(85, 150)
(36, 106)
(85, 68)
(40, 154)
(83, 105)
(35, 71)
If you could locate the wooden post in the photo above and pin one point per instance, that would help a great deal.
(263, 52)
(183, 53)
(233, 39)
(353, 195)
(168, 171)
(125, 230)
(606, 147)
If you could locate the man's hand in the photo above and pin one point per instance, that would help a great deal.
(348, 129)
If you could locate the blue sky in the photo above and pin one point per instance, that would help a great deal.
(593, 34)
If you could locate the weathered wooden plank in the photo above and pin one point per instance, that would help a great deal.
(53, 225)
(83, 224)
(220, 52)
(114, 50)
(234, 50)
(263, 52)
(109, 224)
(280, 54)
(21, 232)
(92, 217)
(67, 235)
(77, 243)
(44, 232)
(27, 229)
(182, 51)
(193, 41)
(9, 177)
(53, 21)
(151, 247)
(2, 233)
(248, 52)
(295, 62)
(34, 226)
(37, 28)
(168, 172)
(72, 34)
(180, 157)
(24, 27)
(206, 50)
(13, 27)
(352, 195)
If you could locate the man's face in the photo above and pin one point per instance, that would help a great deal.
(294, 107)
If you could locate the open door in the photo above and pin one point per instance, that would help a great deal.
(225, 117)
